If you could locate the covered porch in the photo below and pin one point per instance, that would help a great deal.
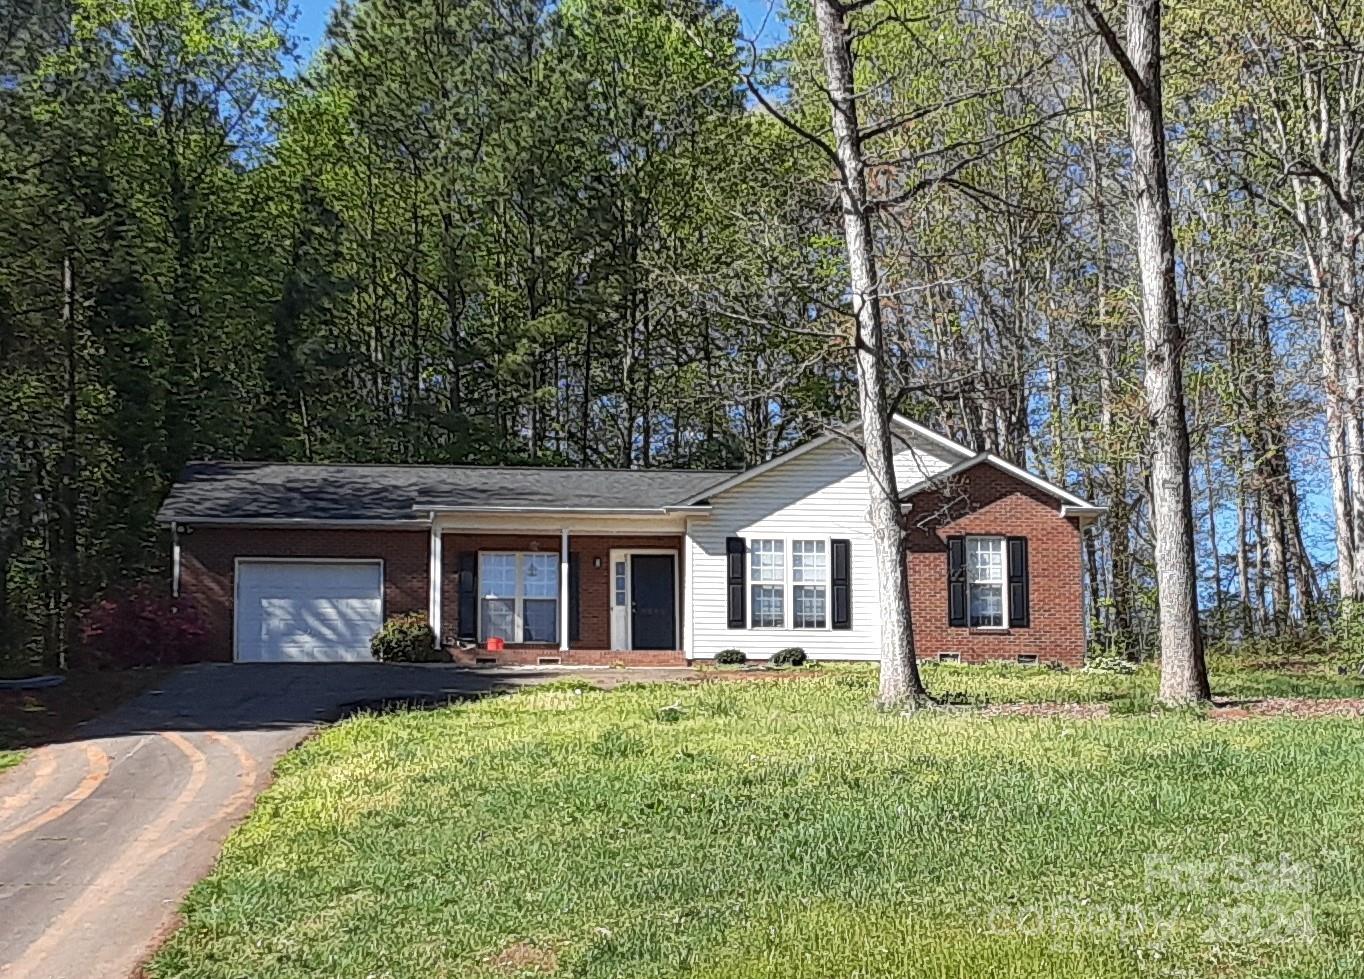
(588, 593)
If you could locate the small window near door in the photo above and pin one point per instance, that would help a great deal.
(985, 580)
(620, 584)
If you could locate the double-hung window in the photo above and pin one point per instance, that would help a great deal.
(986, 582)
(790, 575)
(767, 571)
(519, 597)
(809, 584)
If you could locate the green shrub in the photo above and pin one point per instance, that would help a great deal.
(730, 657)
(791, 656)
(1111, 664)
(406, 639)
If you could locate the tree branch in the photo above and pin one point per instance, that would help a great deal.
(1116, 49)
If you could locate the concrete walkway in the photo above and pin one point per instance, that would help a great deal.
(102, 836)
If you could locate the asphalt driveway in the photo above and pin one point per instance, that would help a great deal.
(102, 836)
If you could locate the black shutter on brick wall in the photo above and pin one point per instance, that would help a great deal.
(574, 604)
(956, 582)
(468, 596)
(735, 553)
(1018, 583)
(840, 581)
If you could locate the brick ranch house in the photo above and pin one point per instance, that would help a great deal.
(641, 567)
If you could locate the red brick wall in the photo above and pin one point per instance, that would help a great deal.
(207, 557)
(594, 583)
(984, 500)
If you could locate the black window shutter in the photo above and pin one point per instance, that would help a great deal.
(1018, 583)
(956, 582)
(574, 618)
(840, 583)
(468, 595)
(734, 573)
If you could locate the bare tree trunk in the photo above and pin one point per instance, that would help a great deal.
(900, 681)
(68, 495)
(1243, 546)
(1212, 538)
(1183, 672)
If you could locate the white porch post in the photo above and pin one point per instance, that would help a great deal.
(563, 590)
(433, 573)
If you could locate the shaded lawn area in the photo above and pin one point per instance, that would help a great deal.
(29, 718)
(785, 829)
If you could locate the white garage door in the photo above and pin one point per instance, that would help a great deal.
(306, 611)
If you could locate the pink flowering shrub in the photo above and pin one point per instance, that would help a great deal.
(140, 625)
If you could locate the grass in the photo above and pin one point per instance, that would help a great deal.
(784, 829)
(8, 759)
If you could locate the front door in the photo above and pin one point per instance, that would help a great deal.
(653, 614)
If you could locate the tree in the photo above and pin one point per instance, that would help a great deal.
(1183, 672)
(900, 683)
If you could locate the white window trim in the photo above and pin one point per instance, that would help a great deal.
(788, 584)
(1003, 584)
(519, 599)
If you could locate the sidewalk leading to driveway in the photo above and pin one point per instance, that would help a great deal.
(102, 835)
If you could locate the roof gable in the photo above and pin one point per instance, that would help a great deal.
(1067, 498)
(905, 427)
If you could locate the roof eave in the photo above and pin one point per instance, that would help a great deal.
(434, 508)
(320, 523)
(1067, 498)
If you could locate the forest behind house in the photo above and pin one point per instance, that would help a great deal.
(592, 234)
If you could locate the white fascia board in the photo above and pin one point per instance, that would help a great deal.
(301, 523)
(580, 511)
(913, 427)
(941, 441)
(1067, 498)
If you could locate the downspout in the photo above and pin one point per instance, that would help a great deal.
(175, 560)
(433, 583)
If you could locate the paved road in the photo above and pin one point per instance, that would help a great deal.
(101, 836)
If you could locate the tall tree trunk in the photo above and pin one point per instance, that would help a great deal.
(1213, 546)
(900, 682)
(68, 494)
(1183, 672)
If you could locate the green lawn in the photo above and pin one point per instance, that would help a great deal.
(784, 829)
(8, 759)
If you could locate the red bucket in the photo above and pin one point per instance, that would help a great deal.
(495, 644)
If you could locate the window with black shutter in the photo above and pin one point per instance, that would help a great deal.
(735, 554)
(957, 593)
(840, 581)
(1019, 616)
(468, 596)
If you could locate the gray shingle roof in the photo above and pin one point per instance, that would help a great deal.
(236, 491)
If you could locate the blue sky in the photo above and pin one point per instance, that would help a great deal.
(759, 20)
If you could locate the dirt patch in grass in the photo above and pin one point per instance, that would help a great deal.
(1286, 707)
(1225, 710)
(1073, 712)
(29, 718)
(520, 958)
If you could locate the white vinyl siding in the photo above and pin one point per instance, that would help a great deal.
(820, 495)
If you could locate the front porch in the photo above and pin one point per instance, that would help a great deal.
(558, 598)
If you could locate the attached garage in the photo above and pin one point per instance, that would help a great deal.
(307, 611)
